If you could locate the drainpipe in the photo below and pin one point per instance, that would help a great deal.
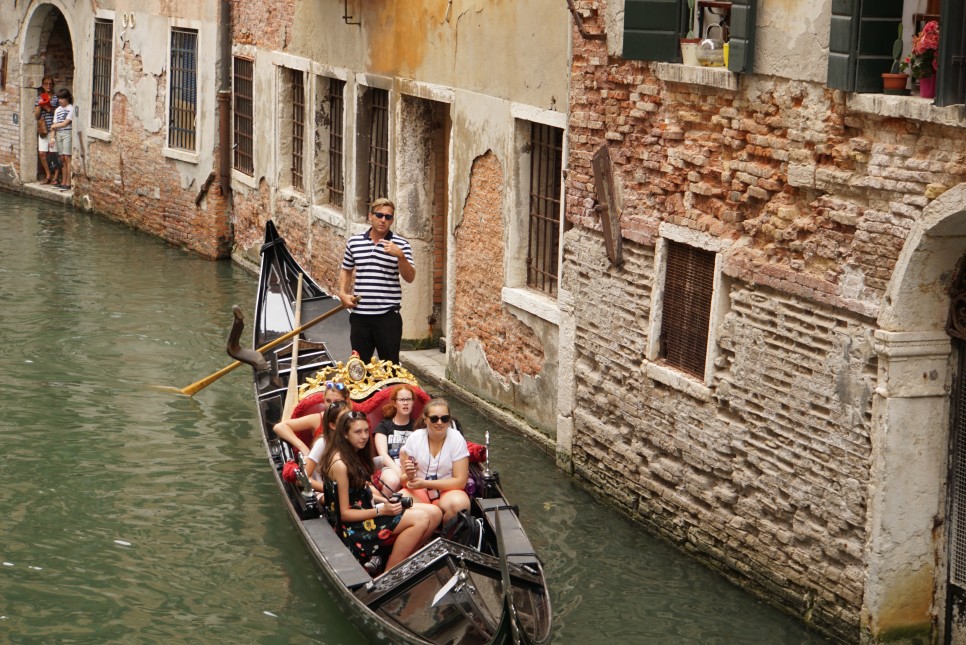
(224, 98)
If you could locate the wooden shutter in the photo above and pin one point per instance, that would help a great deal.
(686, 313)
(741, 50)
(951, 79)
(652, 30)
(860, 43)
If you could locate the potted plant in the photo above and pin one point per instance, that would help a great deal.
(894, 81)
(922, 63)
(689, 44)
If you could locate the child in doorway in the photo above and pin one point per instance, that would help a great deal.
(63, 120)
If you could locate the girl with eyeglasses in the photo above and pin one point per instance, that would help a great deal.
(436, 462)
(371, 524)
(289, 430)
(392, 433)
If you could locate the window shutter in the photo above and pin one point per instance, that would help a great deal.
(741, 50)
(951, 79)
(686, 314)
(860, 43)
(652, 29)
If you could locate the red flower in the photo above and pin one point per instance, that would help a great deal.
(288, 472)
(385, 533)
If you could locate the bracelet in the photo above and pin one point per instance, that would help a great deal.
(378, 509)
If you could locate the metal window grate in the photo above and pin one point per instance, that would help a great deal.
(101, 91)
(298, 128)
(379, 146)
(957, 474)
(183, 105)
(244, 116)
(688, 286)
(546, 157)
(336, 99)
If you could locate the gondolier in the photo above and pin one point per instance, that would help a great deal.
(377, 259)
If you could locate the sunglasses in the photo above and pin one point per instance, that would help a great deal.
(386, 216)
(334, 385)
(355, 414)
(436, 419)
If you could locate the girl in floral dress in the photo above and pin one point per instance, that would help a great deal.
(376, 530)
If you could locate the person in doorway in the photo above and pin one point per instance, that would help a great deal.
(376, 260)
(371, 525)
(44, 109)
(62, 129)
(436, 462)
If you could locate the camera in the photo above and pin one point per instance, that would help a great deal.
(407, 502)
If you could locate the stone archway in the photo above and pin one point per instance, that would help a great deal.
(46, 47)
(906, 547)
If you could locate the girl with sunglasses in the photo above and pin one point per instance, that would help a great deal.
(289, 430)
(371, 524)
(436, 462)
(330, 419)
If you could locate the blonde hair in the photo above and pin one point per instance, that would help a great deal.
(382, 201)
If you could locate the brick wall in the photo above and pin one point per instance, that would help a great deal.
(511, 347)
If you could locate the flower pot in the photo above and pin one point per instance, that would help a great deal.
(894, 83)
(927, 87)
(689, 50)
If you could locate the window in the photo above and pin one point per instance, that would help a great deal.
(653, 29)
(860, 46)
(543, 245)
(183, 103)
(336, 101)
(244, 115)
(101, 91)
(378, 145)
(686, 316)
(298, 129)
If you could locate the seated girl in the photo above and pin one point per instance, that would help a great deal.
(375, 529)
(329, 420)
(291, 429)
(436, 462)
(392, 433)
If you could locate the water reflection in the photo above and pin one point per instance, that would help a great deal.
(130, 515)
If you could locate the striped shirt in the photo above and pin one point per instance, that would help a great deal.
(48, 117)
(377, 272)
(62, 114)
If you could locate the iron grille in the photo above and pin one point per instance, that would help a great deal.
(957, 474)
(688, 286)
(183, 106)
(543, 248)
(298, 128)
(336, 137)
(379, 146)
(244, 116)
(101, 91)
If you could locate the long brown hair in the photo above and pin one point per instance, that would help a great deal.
(358, 463)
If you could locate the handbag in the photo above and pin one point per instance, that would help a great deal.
(53, 160)
(42, 127)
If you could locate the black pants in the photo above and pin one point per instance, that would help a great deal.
(381, 333)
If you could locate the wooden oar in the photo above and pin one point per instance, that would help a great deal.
(197, 386)
(293, 375)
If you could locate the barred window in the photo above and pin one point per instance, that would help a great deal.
(378, 146)
(298, 129)
(686, 317)
(101, 91)
(244, 116)
(336, 99)
(543, 247)
(183, 104)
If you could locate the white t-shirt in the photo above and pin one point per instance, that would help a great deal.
(316, 455)
(439, 467)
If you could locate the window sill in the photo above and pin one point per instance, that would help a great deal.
(719, 77)
(242, 178)
(180, 155)
(100, 135)
(533, 303)
(673, 378)
(909, 107)
(329, 215)
(292, 195)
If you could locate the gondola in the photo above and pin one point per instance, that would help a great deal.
(482, 585)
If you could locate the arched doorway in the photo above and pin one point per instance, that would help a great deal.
(46, 47)
(913, 548)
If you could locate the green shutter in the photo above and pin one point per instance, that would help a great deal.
(860, 43)
(652, 30)
(951, 79)
(741, 47)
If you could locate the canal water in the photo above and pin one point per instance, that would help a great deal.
(131, 515)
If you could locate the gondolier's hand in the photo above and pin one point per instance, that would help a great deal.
(392, 249)
(349, 302)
